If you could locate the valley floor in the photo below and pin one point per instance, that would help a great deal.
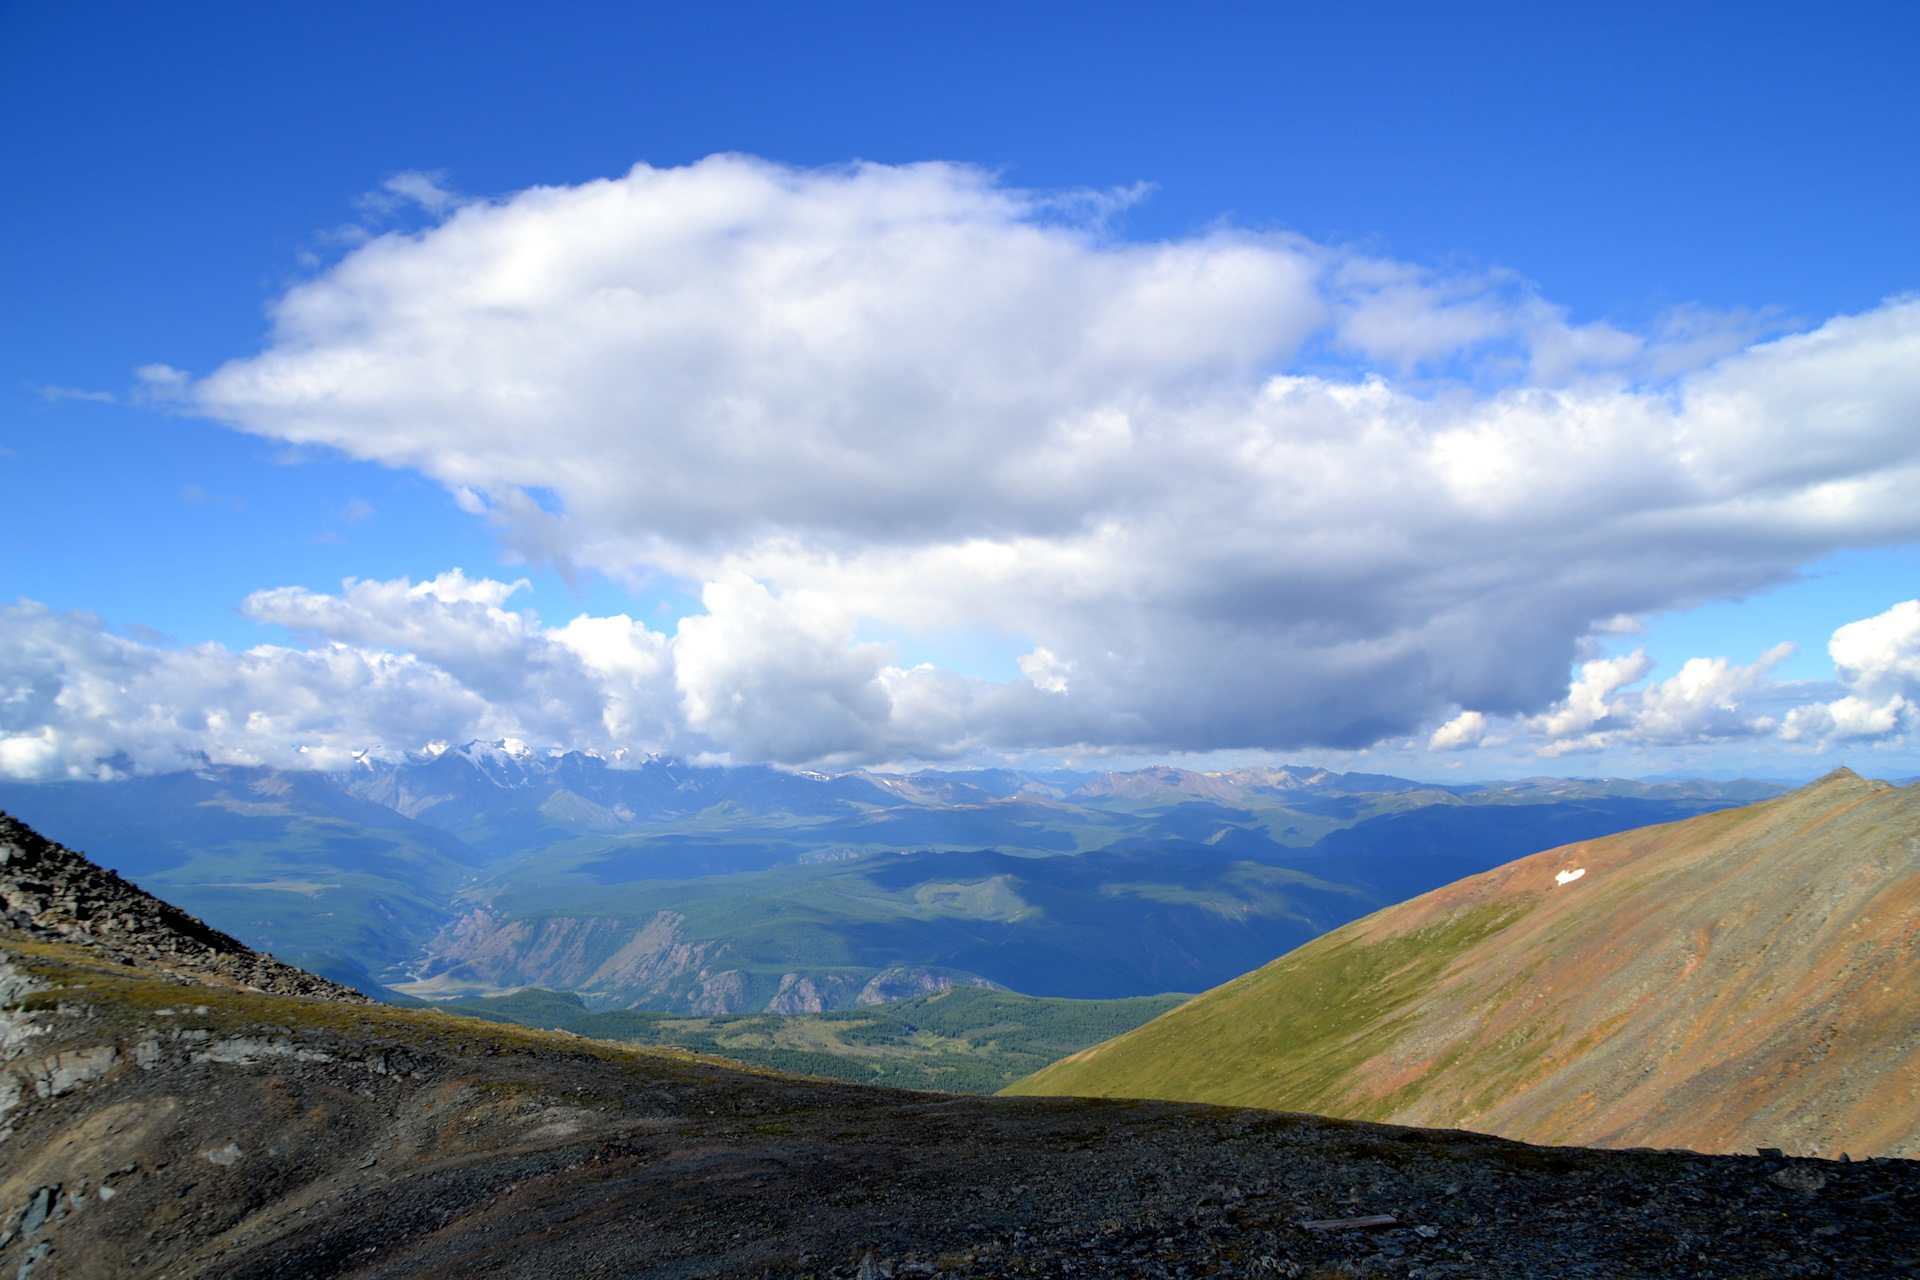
(169, 1129)
(961, 1040)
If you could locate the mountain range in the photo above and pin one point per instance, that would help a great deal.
(704, 890)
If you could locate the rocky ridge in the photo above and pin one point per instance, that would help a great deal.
(53, 892)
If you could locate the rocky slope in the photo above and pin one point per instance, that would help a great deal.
(52, 892)
(1736, 980)
(155, 1129)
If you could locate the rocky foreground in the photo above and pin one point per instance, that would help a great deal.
(158, 1118)
(168, 1130)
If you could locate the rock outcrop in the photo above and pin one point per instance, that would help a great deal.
(904, 982)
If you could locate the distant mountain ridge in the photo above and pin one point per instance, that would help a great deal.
(658, 787)
(662, 883)
(1742, 978)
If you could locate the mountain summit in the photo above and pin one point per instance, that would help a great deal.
(1739, 979)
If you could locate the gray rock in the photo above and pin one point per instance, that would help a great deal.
(34, 1257)
(39, 1208)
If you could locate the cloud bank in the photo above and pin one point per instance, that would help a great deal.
(397, 667)
(1239, 490)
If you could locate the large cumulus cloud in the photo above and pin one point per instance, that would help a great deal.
(1236, 490)
(1878, 659)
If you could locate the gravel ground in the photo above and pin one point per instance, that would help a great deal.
(164, 1129)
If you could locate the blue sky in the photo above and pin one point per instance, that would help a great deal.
(175, 173)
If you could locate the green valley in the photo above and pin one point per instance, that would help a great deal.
(961, 1040)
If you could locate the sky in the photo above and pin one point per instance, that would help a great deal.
(1457, 391)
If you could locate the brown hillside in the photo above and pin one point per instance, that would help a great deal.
(1743, 979)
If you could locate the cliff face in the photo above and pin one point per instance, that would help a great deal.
(1737, 980)
(637, 960)
(648, 963)
(53, 892)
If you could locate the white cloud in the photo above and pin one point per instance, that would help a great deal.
(1705, 701)
(1851, 719)
(1465, 730)
(426, 191)
(913, 395)
(598, 683)
(779, 678)
(1586, 702)
(1045, 669)
(1879, 658)
(392, 667)
(55, 395)
(73, 695)
(1876, 660)
(1880, 655)
(162, 383)
(401, 666)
